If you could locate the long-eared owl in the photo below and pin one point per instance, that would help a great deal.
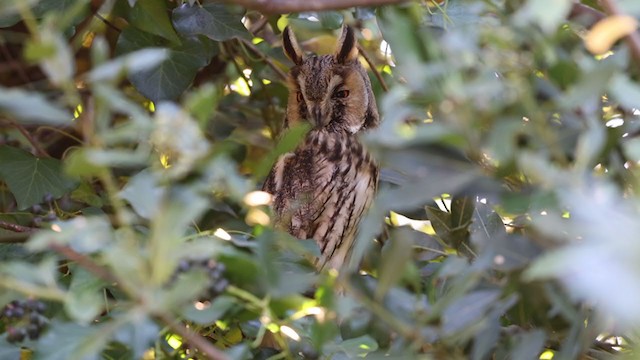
(322, 189)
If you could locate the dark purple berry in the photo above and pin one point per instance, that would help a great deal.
(37, 209)
(51, 216)
(15, 334)
(48, 198)
(33, 331)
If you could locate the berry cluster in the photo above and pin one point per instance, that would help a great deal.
(43, 215)
(217, 282)
(24, 318)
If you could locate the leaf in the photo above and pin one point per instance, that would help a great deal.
(143, 193)
(467, 310)
(30, 178)
(133, 62)
(210, 314)
(360, 346)
(625, 91)
(177, 210)
(84, 299)
(152, 16)
(528, 345)
(168, 79)
(548, 14)
(211, 20)
(70, 341)
(395, 255)
(32, 108)
(139, 333)
(82, 234)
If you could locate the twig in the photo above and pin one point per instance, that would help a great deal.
(107, 22)
(16, 228)
(258, 25)
(85, 262)
(38, 149)
(633, 39)
(373, 68)
(205, 347)
(15, 65)
(289, 6)
(263, 57)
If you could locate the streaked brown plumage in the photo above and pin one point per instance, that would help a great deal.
(322, 189)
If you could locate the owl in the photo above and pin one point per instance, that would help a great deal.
(323, 188)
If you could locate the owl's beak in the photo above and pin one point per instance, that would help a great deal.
(319, 119)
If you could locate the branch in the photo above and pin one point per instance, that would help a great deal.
(263, 57)
(633, 39)
(36, 146)
(373, 68)
(15, 227)
(289, 6)
(206, 348)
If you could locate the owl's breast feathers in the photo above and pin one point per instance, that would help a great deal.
(322, 190)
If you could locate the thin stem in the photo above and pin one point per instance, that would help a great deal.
(249, 45)
(16, 228)
(373, 68)
(204, 346)
(36, 146)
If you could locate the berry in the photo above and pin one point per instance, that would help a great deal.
(16, 334)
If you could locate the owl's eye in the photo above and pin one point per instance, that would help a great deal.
(299, 96)
(341, 94)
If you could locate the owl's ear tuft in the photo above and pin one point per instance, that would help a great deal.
(291, 48)
(347, 49)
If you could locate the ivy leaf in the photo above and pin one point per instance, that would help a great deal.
(31, 108)
(168, 79)
(65, 341)
(152, 16)
(211, 20)
(30, 178)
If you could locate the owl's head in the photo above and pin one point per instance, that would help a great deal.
(329, 91)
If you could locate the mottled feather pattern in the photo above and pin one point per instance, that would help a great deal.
(323, 188)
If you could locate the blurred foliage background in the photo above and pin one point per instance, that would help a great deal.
(133, 135)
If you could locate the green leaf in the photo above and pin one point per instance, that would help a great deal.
(395, 255)
(30, 178)
(32, 108)
(83, 234)
(211, 20)
(331, 19)
(70, 341)
(143, 193)
(548, 14)
(467, 310)
(133, 62)
(77, 164)
(168, 79)
(152, 16)
(177, 210)
(360, 346)
(85, 298)
(139, 333)
(210, 314)
(528, 345)
(625, 91)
